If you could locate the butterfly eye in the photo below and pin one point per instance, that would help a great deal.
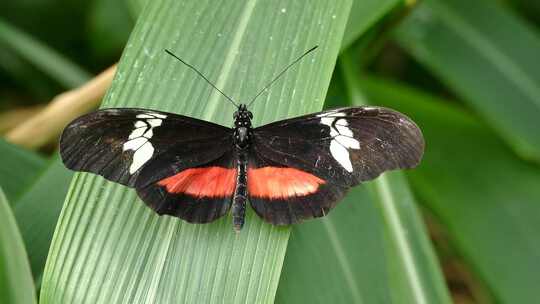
(250, 115)
(235, 115)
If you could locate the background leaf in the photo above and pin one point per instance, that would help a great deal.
(110, 24)
(50, 62)
(364, 14)
(108, 247)
(488, 56)
(37, 189)
(485, 196)
(37, 212)
(16, 285)
(18, 170)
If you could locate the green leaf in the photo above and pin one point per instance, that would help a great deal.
(109, 247)
(46, 59)
(341, 258)
(19, 169)
(487, 56)
(37, 189)
(16, 285)
(373, 249)
(37, 212)
(486, 197)
(364, 14)
(109, 26)
(135, 7)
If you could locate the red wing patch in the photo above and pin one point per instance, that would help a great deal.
(281, 183)
(210, 182)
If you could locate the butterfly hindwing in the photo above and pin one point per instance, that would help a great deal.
(286, 195)
(328, 152)
(119, 144)
(200, 194)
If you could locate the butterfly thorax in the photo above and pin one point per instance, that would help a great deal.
(242, 127)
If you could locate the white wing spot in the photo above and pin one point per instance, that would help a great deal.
(342, 139)
(139, 139)
(341, 154)
(148, 134)
(140, 124)
(141, 156)
(144, 116)
(135, 143)
(137, 133)
(155, 122)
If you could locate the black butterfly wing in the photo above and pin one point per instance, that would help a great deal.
(119, 143)
(283, 194)
(142, 148)
(320, 156)
(199, 194)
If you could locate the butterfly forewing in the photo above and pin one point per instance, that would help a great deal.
(321, 155)
(119, 144)
(347, 145)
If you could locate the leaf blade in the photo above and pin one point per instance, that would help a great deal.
(364, 14)
(481, 217)
(49, 61)
(484, 61)
(37, 212)
(19, 169)
(162, 259)
(16, 284)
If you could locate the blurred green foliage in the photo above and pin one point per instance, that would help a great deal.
(467, 72)
(16, 284)
(87, 35)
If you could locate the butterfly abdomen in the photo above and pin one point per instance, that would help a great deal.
(240, 192)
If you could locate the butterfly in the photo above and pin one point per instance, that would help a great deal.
(289, 170)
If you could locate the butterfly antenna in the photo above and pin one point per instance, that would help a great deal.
(203, 77)
(266, 87)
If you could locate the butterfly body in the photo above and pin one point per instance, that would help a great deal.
(242, 138)
(288, 170)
